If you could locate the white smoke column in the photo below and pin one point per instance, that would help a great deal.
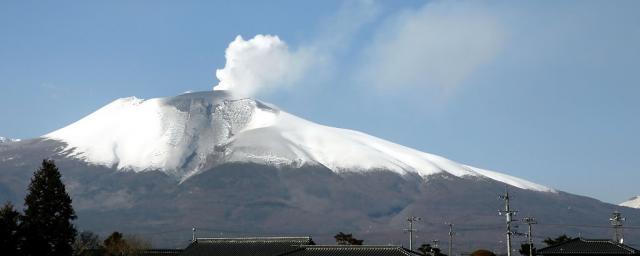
(260, 65)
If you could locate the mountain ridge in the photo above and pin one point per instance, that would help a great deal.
(7, 140)
(633, 202)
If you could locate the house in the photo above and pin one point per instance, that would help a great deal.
(249, 246)
(286, 246)
(351, 250)
(588, 247)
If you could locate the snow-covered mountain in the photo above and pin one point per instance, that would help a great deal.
(633, 202)
(245, 167)
(186, 134)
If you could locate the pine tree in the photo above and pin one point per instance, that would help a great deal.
(560, 239)
(9, 224)
(347, 239)
(524, 249)
(46, 224)
(426, 249)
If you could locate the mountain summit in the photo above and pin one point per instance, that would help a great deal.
(189, 133)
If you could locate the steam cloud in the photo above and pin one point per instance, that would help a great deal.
(260, 65)
(436, 46)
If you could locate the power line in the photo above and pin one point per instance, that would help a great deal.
(160, 232)
(471, 229)
(585, 226)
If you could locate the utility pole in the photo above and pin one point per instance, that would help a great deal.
(411, 230)
(450, 237)
(435, 246)
(530, 221)
(193, 234)
(508, 214)
(616, 221)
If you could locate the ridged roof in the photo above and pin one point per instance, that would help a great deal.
(159, 252)
(589, 246)
(246, 246)
(351, 250)
(146, 252)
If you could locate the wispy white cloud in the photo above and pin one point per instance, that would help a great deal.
(338, 31)
(438, 46)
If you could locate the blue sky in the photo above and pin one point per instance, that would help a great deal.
(543, 90)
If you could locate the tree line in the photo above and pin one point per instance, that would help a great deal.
(45, 227)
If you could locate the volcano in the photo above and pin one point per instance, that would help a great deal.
(238, 166)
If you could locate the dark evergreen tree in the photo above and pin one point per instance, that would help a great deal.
(482, 252)
(46, 224)
(117, 244)
(524, 249)
(9, 235)
(427, 249)
(347, 239)
(560, 239)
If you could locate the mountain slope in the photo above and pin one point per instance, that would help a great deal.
(633, 202)
(7, 140)
(186, 134)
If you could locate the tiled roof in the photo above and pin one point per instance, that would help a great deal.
(159, 252)
(589, 246)
(249, 246)
(147, 252)
(351, 250)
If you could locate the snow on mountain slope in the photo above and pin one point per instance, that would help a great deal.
(634, 202)
(181, 135)
(5, 140)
